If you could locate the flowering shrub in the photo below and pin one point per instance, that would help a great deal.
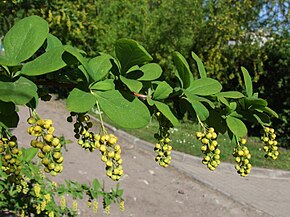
(126, 87)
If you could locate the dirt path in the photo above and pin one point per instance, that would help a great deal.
(149, 190)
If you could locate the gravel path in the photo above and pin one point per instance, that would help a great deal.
(184, 189)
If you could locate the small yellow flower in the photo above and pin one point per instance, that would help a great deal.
(96, 206)
(107, 210)
(54, 184)
(43, 205)
(38, 209)
(122, 206)
(89, 204)
(51, 214)
(37, 190)
(75, 206)
(62, 202)
(47, 197)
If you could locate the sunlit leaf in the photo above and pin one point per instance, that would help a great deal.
(126, 112)
(236, 126)
(130, 53)
(80, 101)
(25, 38)
(248, 81)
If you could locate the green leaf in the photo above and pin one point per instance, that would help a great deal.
(100, 66)
(105, 85)
(216, 121)
(29, 153)
(20, 91)
(96, 184)
(151, 72)
(248, 81)
(192, 96)
(52, 42)
(262, 108)
(230, 94)
(8, 62)
(162, 91)
(255, 102)
(130, 53)
(25, 38)
(120, 192)
(233, 106)
(76, 53)
(48, 62)
(6, 108)
(200, 110)
(236, 126)
(165, 110)
(80, 101)
(150, 101)
(205, 87)
(200, 65)
(127, 112)
(10, 120)
(223, 100)
(183, 72)
(261, 117)
(133, 85)
(268, 110)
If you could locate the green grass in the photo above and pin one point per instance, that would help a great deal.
(184, 140)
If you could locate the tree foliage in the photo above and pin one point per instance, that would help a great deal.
(225, 34)
(130, 89)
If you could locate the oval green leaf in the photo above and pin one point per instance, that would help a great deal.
(231, 94)
(133, 85)
(29, 154)
(10, 120)
(100, 66)
(205, 87)
(198, 98)
(200, 65)
(48, 62)
(80, 101)
(85, 65)
(25, 38)
(52, 42)
(151, 71)
(236, 126)
(130, 53)
(127, 112)
(166, 111)
(248, 81)
(20, 92)
(162, 91)
(255, 102)
(105, 85)
(200, 110)
(183, 71)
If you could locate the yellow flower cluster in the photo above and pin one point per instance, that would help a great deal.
(63, 202)
(242, 157)
(11, 162)
(37, 190)
(122, 206)
(209, 148)
(108, 209)
(81, 129)
(111, 155)
(49, 145)
(271, 144)
(163, 147)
